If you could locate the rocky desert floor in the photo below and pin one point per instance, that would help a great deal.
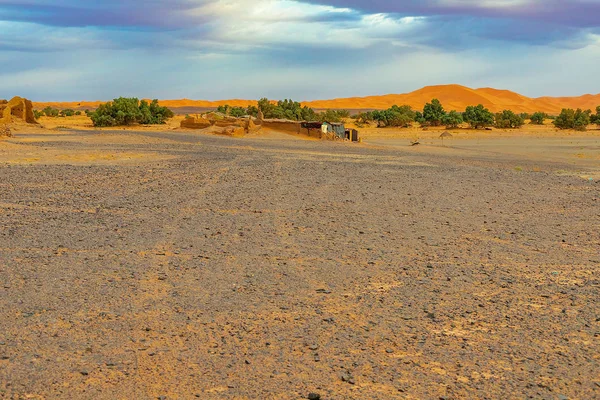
(172, 265)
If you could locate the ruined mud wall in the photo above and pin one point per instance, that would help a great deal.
(17, 109)
(282, 125)
(227, 126)
(195, 123)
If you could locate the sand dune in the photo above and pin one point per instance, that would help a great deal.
(454, 97)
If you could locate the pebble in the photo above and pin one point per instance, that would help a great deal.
(348, 378)
(314, 396)
(313, 347)
(389, 351)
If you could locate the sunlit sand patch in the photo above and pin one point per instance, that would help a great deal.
(52, 157)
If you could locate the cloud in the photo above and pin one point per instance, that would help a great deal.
(280, 48)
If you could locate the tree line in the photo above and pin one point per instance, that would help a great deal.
(55, 112)
(284, 109)
(127, 111)
(477, 117)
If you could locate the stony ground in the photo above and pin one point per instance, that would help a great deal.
(252, 268)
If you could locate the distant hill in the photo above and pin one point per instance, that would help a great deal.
(453, 97)
(456, 97)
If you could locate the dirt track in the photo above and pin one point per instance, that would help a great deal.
(216, 268)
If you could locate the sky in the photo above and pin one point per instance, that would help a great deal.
(71, 50)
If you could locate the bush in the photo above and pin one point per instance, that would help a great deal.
(77, 112)
(50, 112)
(509, 120)
(129, 111)
(573, 119)
(67, 113)
(433, 113)
(236, 112)
(452, 120)
(478, 116)
(364, 118)
(37, 114)
(538, 118)
(332, 116)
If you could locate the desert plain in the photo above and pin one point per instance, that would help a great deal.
(166, 264)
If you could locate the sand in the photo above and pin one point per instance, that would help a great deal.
(172, 264)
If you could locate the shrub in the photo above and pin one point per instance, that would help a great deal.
(236, 112)
(364, 117)
(129, 111)
(573, 119)
(332, 116)
(67, 112)
(452, 120)
(508, 120)
(478, 116)
(433, 113)
(538, 118)
(77, 112)
(37, 114)
(50, 112)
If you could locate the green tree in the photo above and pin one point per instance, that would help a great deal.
(509, 120)
(395, 116)
(237, 112)
(266, 107)
(538, 118)
(478, 116)
(223, 109)
(37, 114)
(573, 119)
(452, 120)
(252, 110)
(433, 113)
(129, 111)
(595, 119)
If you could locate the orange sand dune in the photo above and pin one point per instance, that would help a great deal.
(453, 97)
(456, 97)
(166, 103)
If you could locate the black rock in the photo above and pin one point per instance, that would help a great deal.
(314, 396)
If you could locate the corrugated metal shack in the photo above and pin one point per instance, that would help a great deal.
(335, 128)
(330, 130)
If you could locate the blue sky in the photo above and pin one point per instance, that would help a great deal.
(311, 49)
